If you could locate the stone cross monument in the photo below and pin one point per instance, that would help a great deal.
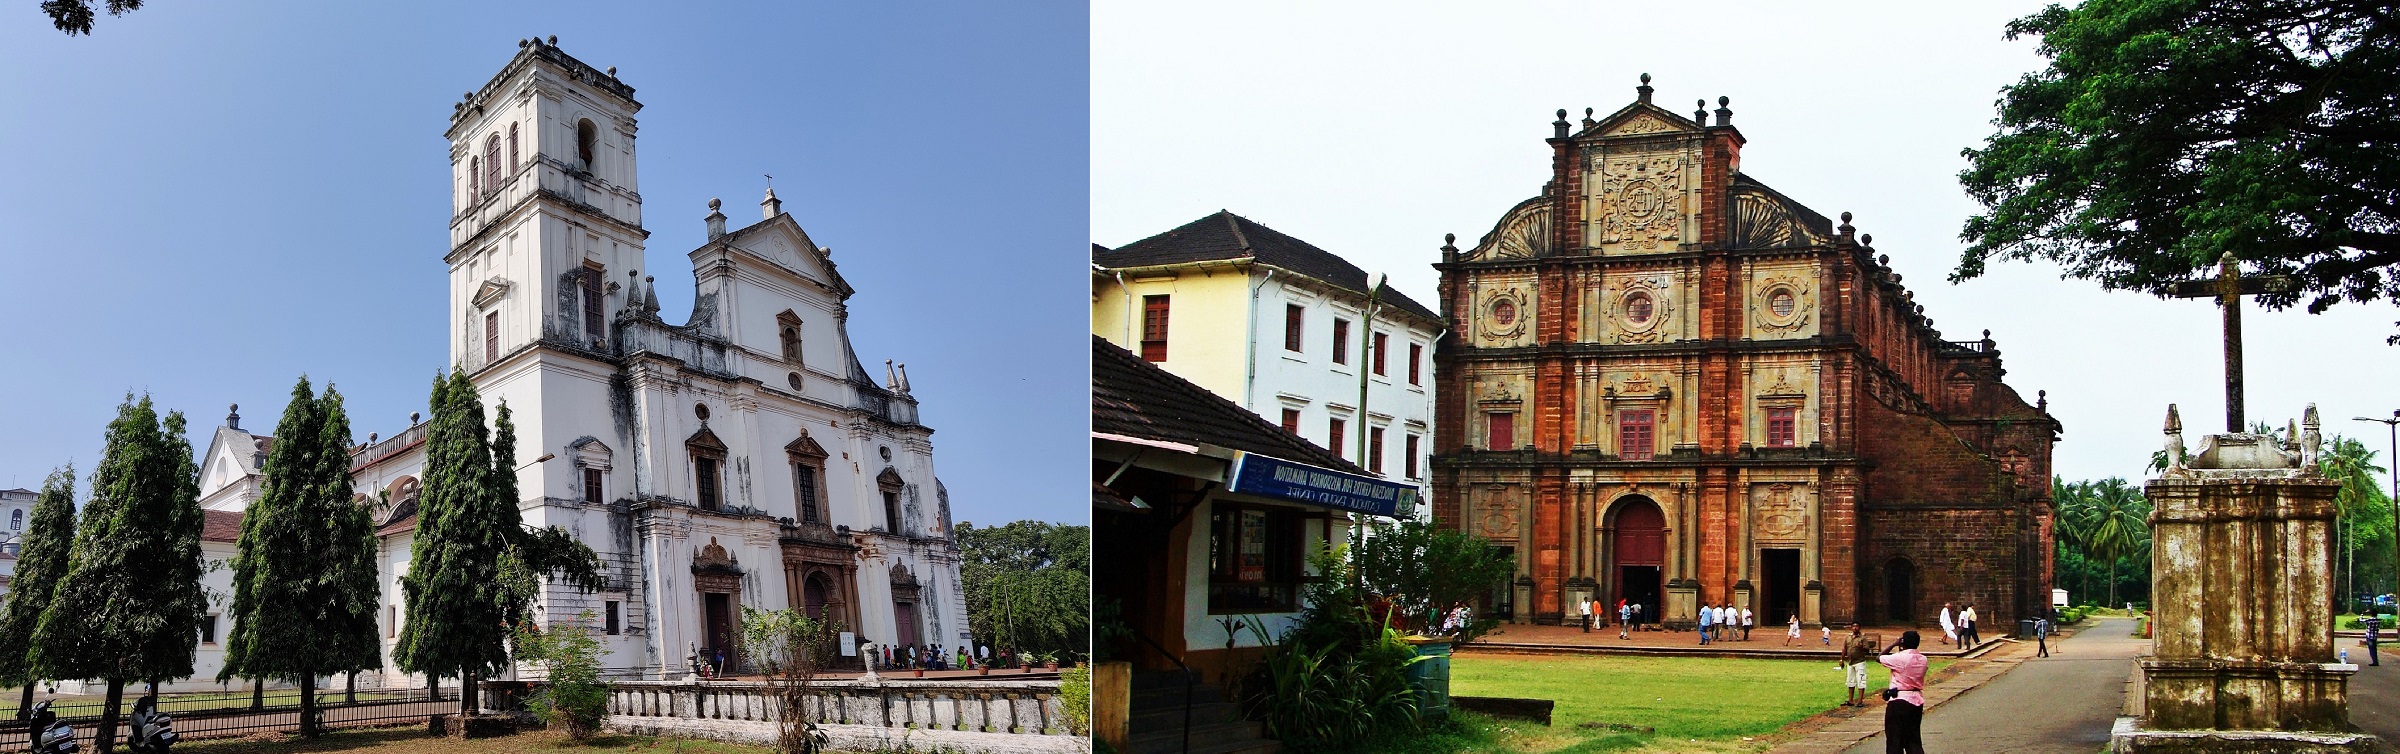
(2242, 580)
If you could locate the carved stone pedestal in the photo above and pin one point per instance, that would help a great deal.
(1812, 604)
(1683, 600)
(2242, 544)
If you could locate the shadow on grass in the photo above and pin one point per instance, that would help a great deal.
(413, 739)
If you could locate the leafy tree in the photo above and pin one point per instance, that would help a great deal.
(41, 560)
(1028, 586)
(130, 604)
(1421, 568)
(475, 568)
(790, 648)
(76, 16)
(2166, 133)
(573, 697)
(2365, 508)
(304, 571)
(2108, 521)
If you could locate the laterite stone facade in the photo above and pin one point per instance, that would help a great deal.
(1668, 383)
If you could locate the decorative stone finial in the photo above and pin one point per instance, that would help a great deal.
(1868, 239)
(891, 377)
(2174, 449)
(1883, 259)
(1559, 127)
(1588, 123)
(650, 296)
(521, 42)
(2311, 437)
(826, 250)
(612, 71)
(553, 40)
(1845, 230)
(1700, 115)
(233, 415)
(1449, 246)
(413, 418)
(1724, 113)
(2041, 400)
(1643, 92)
(373, 436)
(770, 206)
(716, 219)
(1987, 334)
(903, 367)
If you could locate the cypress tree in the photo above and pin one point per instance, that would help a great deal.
(41, 560)
(130, 602)
(468, 570)
(304, 571)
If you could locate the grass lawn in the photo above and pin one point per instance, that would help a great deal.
(412, 740)
(1689, 703)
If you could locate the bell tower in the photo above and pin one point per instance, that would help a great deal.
(546, 213)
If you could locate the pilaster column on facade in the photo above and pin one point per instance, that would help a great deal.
(1550, 503)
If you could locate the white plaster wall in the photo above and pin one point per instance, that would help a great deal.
(1310, 381)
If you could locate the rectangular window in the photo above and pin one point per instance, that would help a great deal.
(804, 486)
(1416, 362)
(491, 337)
(208, 630)
(1375, 449)
(1294, 316)
(1377, 359)
(1333, 437)
(1501, 431)
(705, 469)
(613, 626)
(1634, 440)
(1411, 448)
(1291, 420)
(595, 324)
(1257, 559)
(591, 485)
(1341, 341)
(1780, 423)
(391, 621)
(1154, 328)
(891, 511)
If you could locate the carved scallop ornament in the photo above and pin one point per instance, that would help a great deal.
(1782, 303)
(1523, 233)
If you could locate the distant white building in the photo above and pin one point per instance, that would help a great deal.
(17, 506)
(743, 458)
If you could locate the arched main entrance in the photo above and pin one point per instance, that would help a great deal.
(1900, 591)
(1637, 553)
(816, 594)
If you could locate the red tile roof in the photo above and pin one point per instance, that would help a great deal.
(220, 526)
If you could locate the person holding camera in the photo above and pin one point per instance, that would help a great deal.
(1904, 712)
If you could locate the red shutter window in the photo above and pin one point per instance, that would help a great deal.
(491, 337)
(1375, 449)
(1341, 341)
(1780, 423)
(1410, 447)
(595, 325)
(1154, 328)
(1291, 420)
(1416, 362)
(1294, 316)
(1333, 437)
(491, 165)
(1378, 342)
(1501, 431)
(591, 485)
(1634, 441)
(512, 148)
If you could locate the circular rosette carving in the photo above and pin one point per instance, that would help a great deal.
(1638, 309)
(1782, 303)
(1503, 314)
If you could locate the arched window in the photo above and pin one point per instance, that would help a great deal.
(512, 148)
(16, 520)
(789, 325)
(587, 142)
(491, 165)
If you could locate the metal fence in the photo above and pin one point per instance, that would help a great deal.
(235, 717)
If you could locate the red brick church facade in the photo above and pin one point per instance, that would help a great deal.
(1667, 382)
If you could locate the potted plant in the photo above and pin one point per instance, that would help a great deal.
(1027, 661)
(1050, 662)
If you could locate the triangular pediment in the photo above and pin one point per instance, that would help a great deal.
(1641, 119)
(784, 243)
(705, 440)
(490, 291)
(805, 446)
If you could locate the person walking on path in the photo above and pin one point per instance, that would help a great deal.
(1583, 613)
(1949, 626)
(1793, 634)
(1854, 666)
(1637, 616)
(1749, 621)
(2374, 635)
(1825, 633)
(1904, 715)
(1706, 613)
(2041, 636)
(1624, 620)
(1966, 628)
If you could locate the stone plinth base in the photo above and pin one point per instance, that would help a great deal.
(2130, 738)
(2225, 695)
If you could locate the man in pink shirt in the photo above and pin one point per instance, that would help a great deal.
(1904, 717)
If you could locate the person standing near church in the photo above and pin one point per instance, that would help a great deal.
(1904, 716)
(1584, 606)
(1707, 615)
(1624, 620)
(1853, 663)
(2373, 626)
(2041, 636)
(1966, 627)
(1749, 621)
(1949, 626)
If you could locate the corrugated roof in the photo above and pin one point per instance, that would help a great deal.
(1227, 236)
(1136, 398)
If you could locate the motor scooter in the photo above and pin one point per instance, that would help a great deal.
(50, 736)
(152, 731)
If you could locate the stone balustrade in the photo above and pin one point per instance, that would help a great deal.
(1025, 707)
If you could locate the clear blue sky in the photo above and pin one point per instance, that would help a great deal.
(205, 200)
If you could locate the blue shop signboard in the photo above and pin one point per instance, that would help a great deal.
(1268, 476)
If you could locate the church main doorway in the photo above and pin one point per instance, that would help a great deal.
(904, 616)
(719, 612)
(1900, 591)
(1781, 598)
(1638, 552)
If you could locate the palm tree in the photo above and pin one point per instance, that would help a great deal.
(2360, 499)
(2071, 500)
(2114, 520)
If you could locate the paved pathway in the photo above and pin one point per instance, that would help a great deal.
(2066, 702)
(2375, 691)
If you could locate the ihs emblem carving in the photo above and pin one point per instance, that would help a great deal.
(1780, 515)
(1641, 201)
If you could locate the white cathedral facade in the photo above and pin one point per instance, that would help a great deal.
(743, 458)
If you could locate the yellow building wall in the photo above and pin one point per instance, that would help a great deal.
(1208, 323)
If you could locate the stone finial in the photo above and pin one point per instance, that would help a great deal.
(553, 40)
(2041, 401)
(1449, 246)
(2174, 449)
(650, 294)
(612, 71)
(826, 250)
(373, 436)
(2311, 437)
(233, 416)
(1724, 113)
(716, 220)
(903, 369)
(522, 42)
(414, 418)
(1883, 259)
(770, 206)
(1846, 229)
(1642, 93)
(1700, 115)
(1559, 127)
(891, 376)
(1588, 123)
